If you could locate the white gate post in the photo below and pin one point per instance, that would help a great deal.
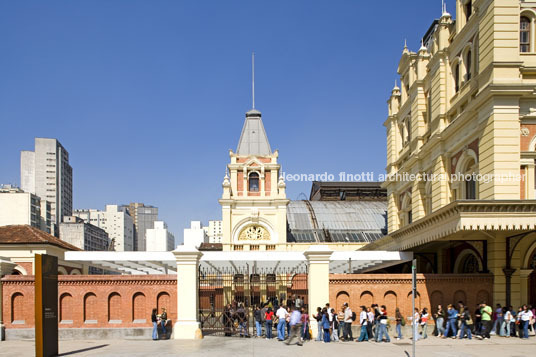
(187, 326)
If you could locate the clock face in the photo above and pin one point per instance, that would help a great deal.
(254, 233)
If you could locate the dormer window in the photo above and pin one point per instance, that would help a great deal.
(253, 182)
(468, 9)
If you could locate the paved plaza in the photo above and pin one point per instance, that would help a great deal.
(223, 346)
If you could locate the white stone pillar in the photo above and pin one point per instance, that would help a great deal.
(187, 326)
(6, 268)
(318, 257)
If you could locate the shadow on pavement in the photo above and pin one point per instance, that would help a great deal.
(82, 350)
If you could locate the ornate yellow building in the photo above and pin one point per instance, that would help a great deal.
(461, 147)
(254, 203)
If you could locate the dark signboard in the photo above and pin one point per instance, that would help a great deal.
(46, 305)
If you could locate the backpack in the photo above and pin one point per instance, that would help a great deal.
(403, 321)
(354, 316)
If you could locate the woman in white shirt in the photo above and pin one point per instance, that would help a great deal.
(507, 319)
(525, 316)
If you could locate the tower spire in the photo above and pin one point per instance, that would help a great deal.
(253, 78)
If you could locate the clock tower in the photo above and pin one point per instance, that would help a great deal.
(254, 203)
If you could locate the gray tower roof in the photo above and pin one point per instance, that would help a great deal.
(253, 140)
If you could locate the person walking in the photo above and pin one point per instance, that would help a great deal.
(363, 320)
(348, 319)
(281, 314)
(466, 322)
(318, 318)
(440, 321)
(452, 316)
(399, 323)
(295, 326)
(424, 323)
(383, 320)
(325, 325)
(154, 320)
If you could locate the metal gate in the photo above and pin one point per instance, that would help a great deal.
(228, 297)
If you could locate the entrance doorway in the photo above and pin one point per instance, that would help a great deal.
(228, 298)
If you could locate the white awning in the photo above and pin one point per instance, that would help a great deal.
(360, 261)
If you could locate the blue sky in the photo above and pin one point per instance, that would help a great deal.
(149, 96)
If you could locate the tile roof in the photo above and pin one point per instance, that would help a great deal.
(23, 234)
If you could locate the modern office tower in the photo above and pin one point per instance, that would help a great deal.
(159, 238)
(144, 217)
(19, 207)
(115, 221)
(46, 173)
(83, 235)
(214, 231)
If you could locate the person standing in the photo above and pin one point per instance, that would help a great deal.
(507, 318)
(478, 321)
(466, 322)
(424, 323)
(154, 320)
(163, 321)
(295, 326)
(486, 312)
(399, 319)
(452, 317)
(526, 316)
(370, 316)
(257, 315)
(305, 324)
(241, 316)
(499, 318)
(318, 318)
(415, 324)
(269, 317)
(440, 321)
(363, 320)
(340, 318)
(281, 314)
(325, 325)
(348, 315)
(334, 326)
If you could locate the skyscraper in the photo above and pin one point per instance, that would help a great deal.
(46, 173)
(144, 217)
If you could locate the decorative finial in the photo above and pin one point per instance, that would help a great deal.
(423, 48)
(253, 78)
(405, 44)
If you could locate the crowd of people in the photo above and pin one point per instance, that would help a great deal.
(292, 321)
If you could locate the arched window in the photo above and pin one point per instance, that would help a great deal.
(254, 182)
(468, 65)
(524, 34)
(470, 182)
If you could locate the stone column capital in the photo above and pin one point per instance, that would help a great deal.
(187, 255)
(524, 273)
(318, 254)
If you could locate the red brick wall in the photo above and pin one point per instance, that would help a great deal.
(525, 140)
(91, 301)
(394, 290)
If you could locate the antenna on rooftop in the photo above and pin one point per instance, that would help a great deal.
(253, 78)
